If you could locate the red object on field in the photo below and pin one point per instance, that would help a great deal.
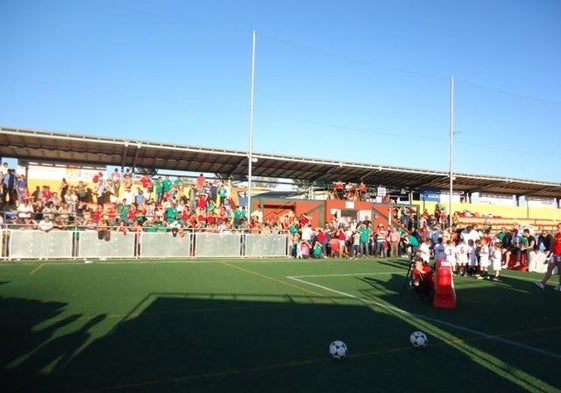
(445, 295)
(523, 262)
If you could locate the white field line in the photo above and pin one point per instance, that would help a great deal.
(346, 274)
(452, 325)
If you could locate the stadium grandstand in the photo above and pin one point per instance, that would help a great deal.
(70, 178)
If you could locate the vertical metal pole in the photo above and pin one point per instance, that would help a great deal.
(251, 109)
(451, 161)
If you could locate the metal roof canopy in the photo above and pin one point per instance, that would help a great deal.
(76, 149)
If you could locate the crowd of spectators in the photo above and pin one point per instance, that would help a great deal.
(120, 202)
(471, 251)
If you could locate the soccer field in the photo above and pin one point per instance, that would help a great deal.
(265, 325)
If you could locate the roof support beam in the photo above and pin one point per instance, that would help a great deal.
(134, 160)
(124, 155)
(488, 186)
(325, 174)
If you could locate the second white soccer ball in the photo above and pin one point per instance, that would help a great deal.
(338, 349)
(418, 339)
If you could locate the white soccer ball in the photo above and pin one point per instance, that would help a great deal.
(338, 349)
(418, 339)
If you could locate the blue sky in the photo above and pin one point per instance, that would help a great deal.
(362, 81)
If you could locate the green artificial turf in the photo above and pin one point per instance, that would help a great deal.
(265, 325)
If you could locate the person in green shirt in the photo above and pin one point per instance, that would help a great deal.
(159, 188)
(171, 213)
(166, 185)
(365, 233)
(123, 210)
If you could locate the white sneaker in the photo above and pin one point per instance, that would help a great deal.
(557, 288)
(539, 284)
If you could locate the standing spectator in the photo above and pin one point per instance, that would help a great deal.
(554, 260)
(406, 217)
(529, 244)
(362, 189)
(355, 244)
(100, 187)
(21, 188)
(393, 238)
(127, 179)
(339, 190)
(322, 238)
(222, 195)
(192, 196)
(365, 234)
(9, 196)
(63, 189)
(381, 235)
(159, 187)
(307, 233)
(424, 250)
(146, 182)
(200, 182)
(82, 192)
(166, 187)
(116, 181)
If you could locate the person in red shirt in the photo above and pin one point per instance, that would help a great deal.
(554, 260)
(146, 185)
(339, 189)
(422, 279)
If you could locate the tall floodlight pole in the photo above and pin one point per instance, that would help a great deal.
(250, 151)
(451, 157)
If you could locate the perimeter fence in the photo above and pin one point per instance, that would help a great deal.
(26, 244)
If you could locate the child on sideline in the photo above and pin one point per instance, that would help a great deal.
(462, 256)
(439, 253)
(450, 251)
(472, 256)
(496, 260)
(483, 259)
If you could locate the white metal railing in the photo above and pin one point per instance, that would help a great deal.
(22, 244)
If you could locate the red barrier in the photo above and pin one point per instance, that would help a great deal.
(523, 266)
(445, 295)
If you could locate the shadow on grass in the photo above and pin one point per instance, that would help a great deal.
(20, 337)
(181, 342)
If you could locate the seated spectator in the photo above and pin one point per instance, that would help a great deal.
(122, 228)
(45, 224)
(26, 211)
(59, 223)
